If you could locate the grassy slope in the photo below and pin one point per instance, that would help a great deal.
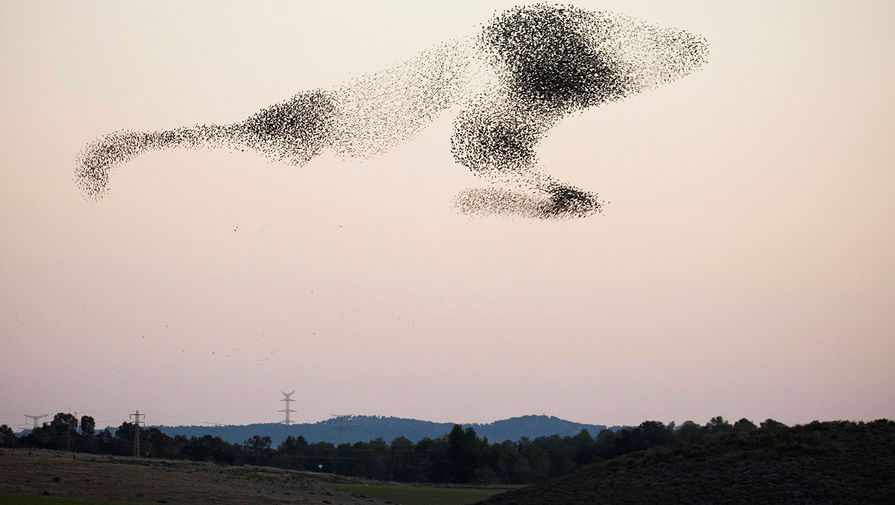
(810, 465)
(417, 495)
(51, 500)
(55, 478)
(109, 478)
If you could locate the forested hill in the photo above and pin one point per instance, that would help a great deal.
(827, 463)
(352, 429)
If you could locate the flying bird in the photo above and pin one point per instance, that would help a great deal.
(507, 84)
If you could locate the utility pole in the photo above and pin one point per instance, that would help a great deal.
(287, 410)
(35, 418)
(136, 415)
(341, 418)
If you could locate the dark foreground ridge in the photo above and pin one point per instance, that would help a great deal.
(819, 463)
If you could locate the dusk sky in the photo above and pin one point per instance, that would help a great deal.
(744, 266)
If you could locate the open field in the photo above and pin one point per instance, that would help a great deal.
(48, 477)
(52, 500)
(417, 495)
(86, 476)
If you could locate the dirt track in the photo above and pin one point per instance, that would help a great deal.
(133, 480)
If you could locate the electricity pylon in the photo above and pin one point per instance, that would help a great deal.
(287, 410)
(35, 418)
(136, 415)
(341, 418)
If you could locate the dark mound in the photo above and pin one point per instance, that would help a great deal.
(819, 463)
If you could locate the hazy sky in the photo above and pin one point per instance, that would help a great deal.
(744, 267)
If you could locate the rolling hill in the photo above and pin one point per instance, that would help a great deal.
(820, 463)
(352, 429)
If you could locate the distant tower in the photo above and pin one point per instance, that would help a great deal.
(136, 415)
(341, 418)
(35, 418)
(287, 410)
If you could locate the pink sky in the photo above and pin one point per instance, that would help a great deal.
(743, 268)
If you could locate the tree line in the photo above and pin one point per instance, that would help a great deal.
(457, 457)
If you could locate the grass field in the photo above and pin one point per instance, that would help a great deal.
(49, 477)
(51, 500)
(416, 495)
(400, 495)
(42, 477)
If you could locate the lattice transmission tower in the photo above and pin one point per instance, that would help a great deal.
(342, 418)
(35, 418)
(136, 415)
(287, 410)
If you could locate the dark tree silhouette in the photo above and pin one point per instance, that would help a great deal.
(88, 425)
